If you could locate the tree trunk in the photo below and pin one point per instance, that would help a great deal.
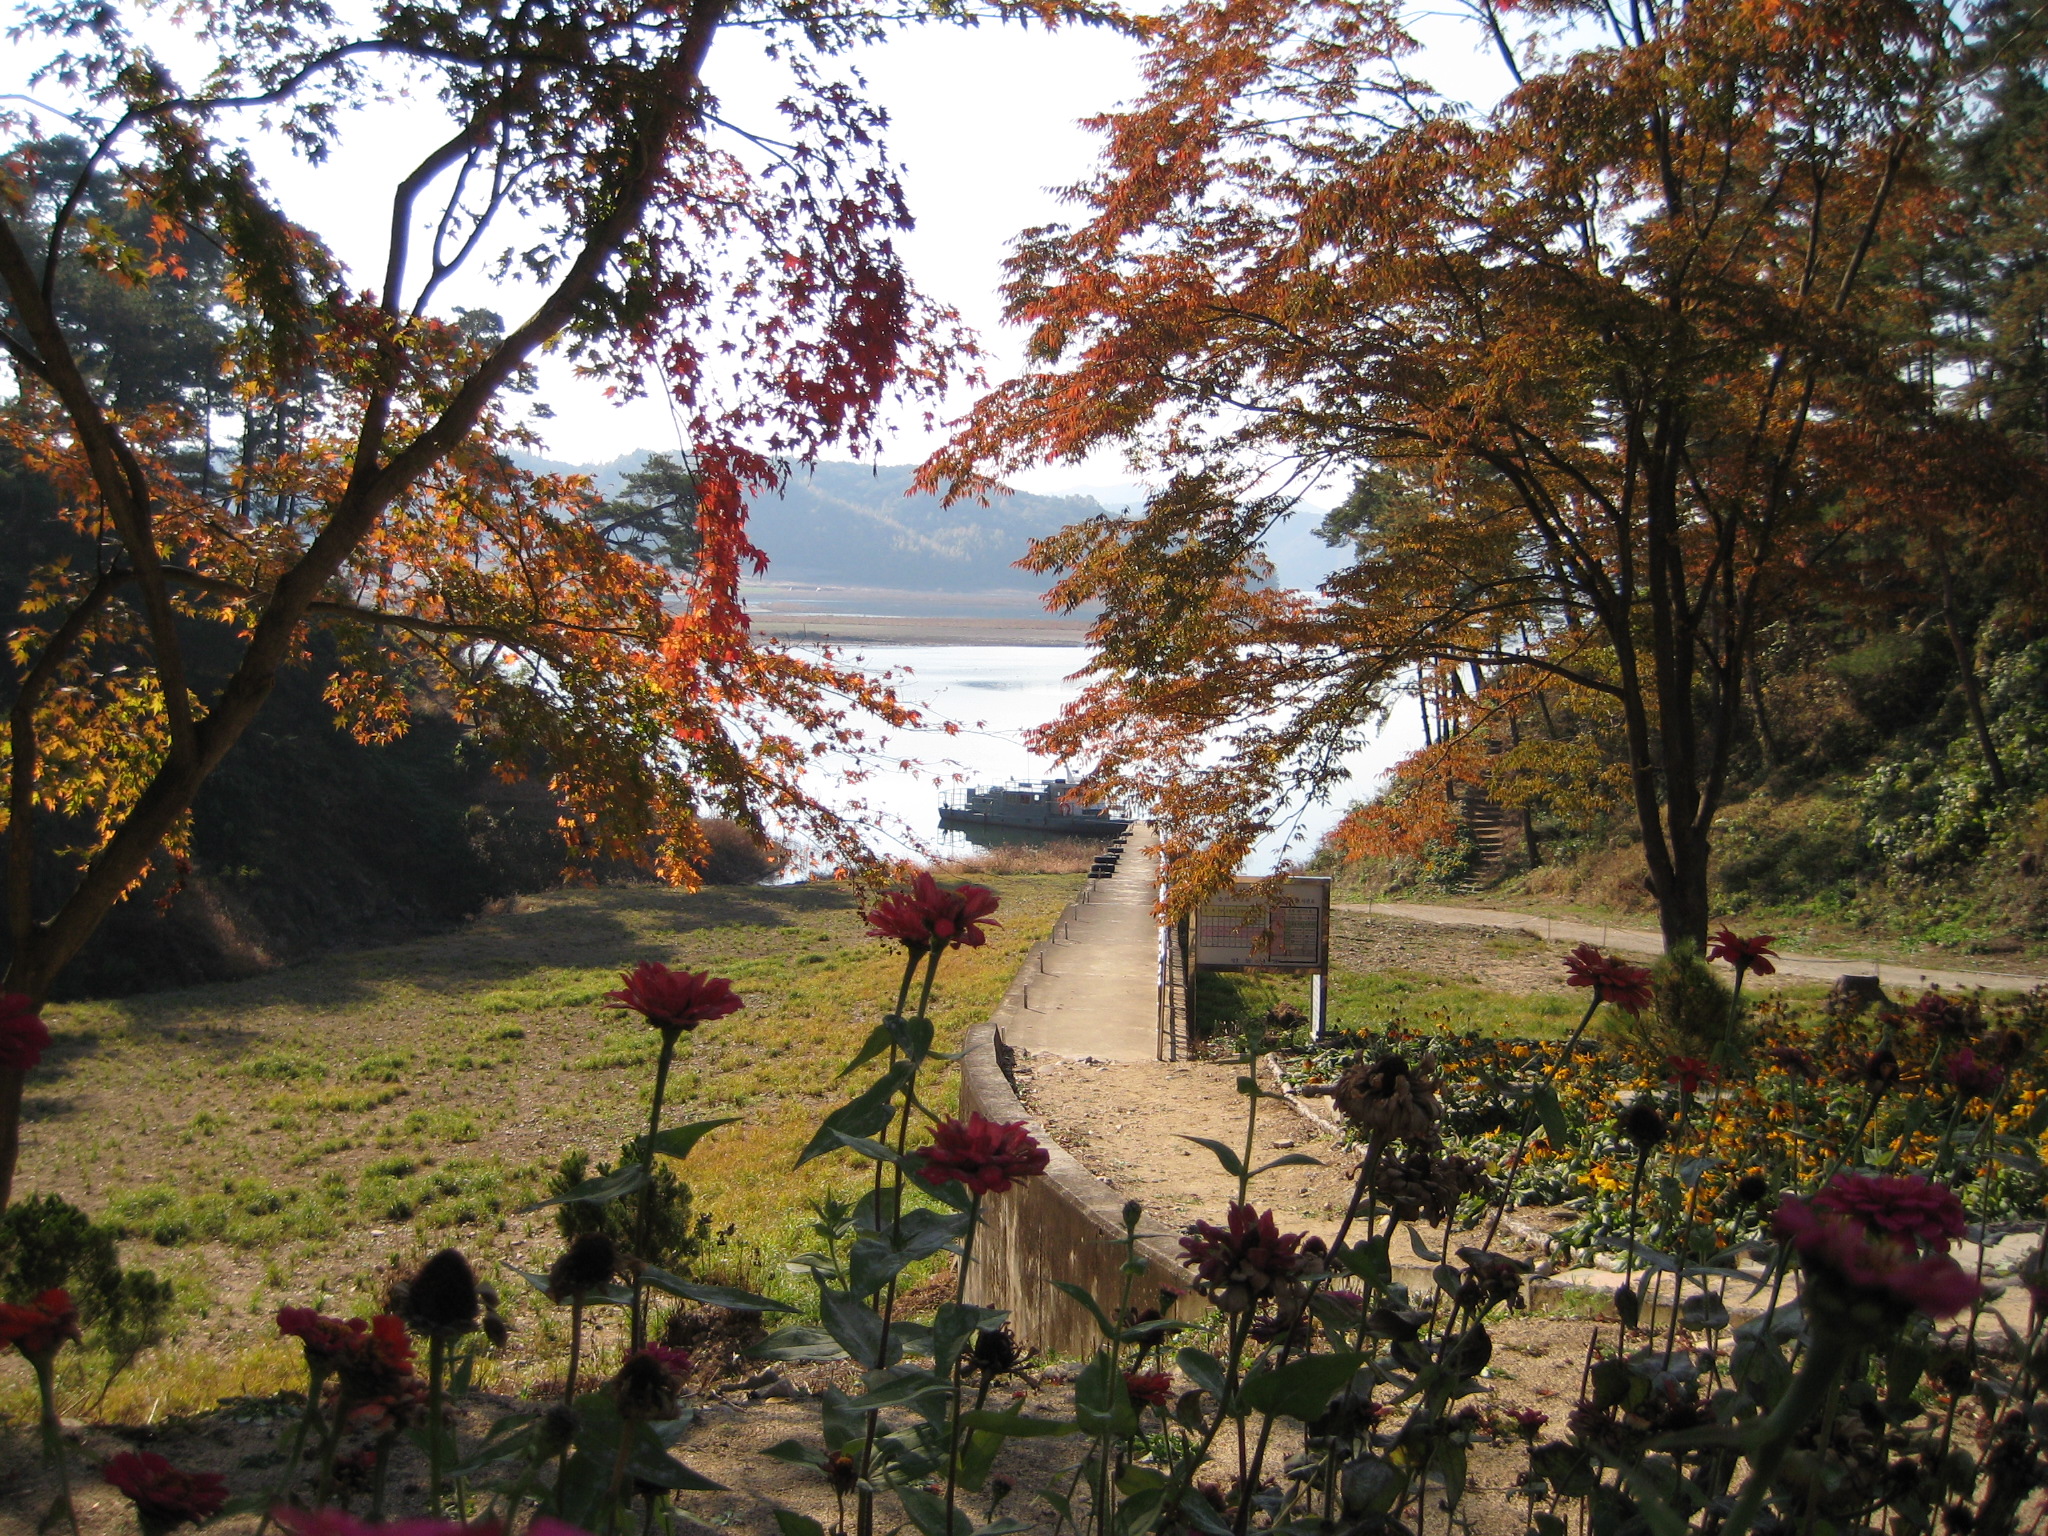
(1966, 671)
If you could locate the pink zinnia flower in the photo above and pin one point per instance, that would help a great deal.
(1974, 1079)
(1613, 981)
(930, 916)
(1753, 954)
(164, 1497)
(674, 999)
(985, 1155)
(1882, 1239)
(23, 1035)
(335, 1522)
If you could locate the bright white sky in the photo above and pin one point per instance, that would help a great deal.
(985, 123)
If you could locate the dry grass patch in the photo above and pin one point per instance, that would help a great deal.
(286, 1139)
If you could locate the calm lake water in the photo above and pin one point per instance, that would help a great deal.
(996, 693)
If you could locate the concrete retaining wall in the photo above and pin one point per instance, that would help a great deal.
(1066, 1225)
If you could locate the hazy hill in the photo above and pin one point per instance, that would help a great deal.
(856, 525)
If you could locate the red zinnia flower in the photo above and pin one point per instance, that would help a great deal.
(1881, 1239)
(1614, 981)
(985, 1155)
(328, 1341)
(1973, 1078)
(23, 1036)
(1149, 1389)
(676, 1362)
(37, 1328)
(1528, 1421)
(674, 999)
(1686, 1071)
(1745, 955)
(164, 1497)
(930, 916)
(1245, 1259)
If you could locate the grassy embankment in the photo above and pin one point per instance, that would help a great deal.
(289, 1139)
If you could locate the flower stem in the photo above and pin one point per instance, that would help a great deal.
(953, 1367)
(1507, 1186)
(1772, 1438)
(649, 1194)
(53, 1436)
(436, 1360)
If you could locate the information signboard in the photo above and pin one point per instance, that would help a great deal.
(1248, 930)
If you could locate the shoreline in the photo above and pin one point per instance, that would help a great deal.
(919, 629)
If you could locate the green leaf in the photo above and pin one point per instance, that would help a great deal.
(711, 1295)
(1369, 1261)
(913, 1037)
(613, 1186)
(679, 1140)
(855, 1325)
(1201, 1514)
(1228, 1158)
(927, 1512)
(1551, 1113)
(1087, 1299)
(1205, 1371)
(1422, 1249)
(877, 1258)
(957, 1322)
(797, 1454)
(790, 1523)
(879, 1040)
(799, 1341)
(1014, 1425)
(1102, 1404)
(906, 1387)
(1291, 1160)
(1302, 1388)
(864, 1114)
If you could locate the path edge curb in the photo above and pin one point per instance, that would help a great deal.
(1064, 1225)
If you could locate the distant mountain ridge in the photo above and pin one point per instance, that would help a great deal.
(858, 525)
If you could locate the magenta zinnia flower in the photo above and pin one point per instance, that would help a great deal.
(1882, 1240)
(23, 1035)
(930, 916)
(1752, 954)
(987, 1156)
(674, 999)
(164, 1497)
(1974, 1078)
(1613, 981)
(336, 1522)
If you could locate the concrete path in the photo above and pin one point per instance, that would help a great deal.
(1095, 988)
(1645, 942)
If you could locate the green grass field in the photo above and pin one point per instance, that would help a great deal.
(295, 1138)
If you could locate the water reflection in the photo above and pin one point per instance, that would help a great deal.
(998, 692)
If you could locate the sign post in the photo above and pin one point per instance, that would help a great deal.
(1247, 930)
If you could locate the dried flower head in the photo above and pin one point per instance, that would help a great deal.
(1416, 1188)
(1880, 1070)
(1641, 1126)
(23, 1035)
(995, 1352)
(586, 1265)
(1746, 955)
(985, 1155)
(38, 1328)
(930, 916)
(649, 1381)
(164, 1497)
(1751, 1188)
(1945, 1015)
(674, 1000)
(1613, 981)
(1875, 1248)
(1388, 1101)
(441, 1299)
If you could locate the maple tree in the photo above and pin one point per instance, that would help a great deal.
(372, 494)
(1598, 352)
